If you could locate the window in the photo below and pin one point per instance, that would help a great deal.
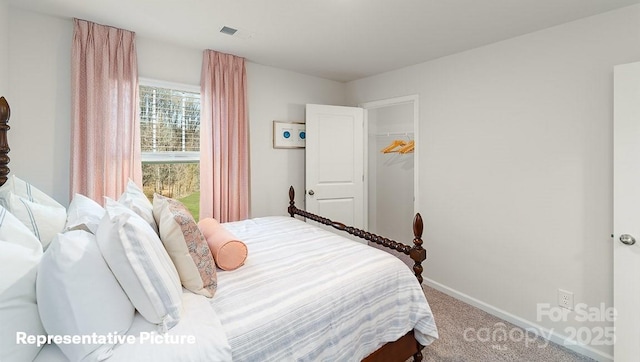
(170, 140)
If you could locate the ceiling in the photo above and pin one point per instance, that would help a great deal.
(341, 40)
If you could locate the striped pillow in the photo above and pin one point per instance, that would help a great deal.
(43, 220)
(17, 186)
(139, 261)
(43, 215)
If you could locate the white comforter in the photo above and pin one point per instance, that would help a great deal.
(307, 294)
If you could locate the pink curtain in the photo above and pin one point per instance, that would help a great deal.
(224, 147)
(105, 135)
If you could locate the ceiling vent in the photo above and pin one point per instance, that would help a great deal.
(227, 30)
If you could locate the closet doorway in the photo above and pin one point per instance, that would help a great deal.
(392, 176)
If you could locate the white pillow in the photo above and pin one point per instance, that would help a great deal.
(186, 246)
(38, 211)
(83, 214)
(14, 231)
(51, 353)
(198, 337)
(20, 253)
(17, 186)
(43, 220)
(78, 295)
(135, 199)
(139, 261)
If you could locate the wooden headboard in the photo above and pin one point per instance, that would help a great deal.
(5, 113)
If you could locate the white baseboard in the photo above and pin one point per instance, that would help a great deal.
(557, 338)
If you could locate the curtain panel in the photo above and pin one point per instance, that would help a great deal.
(224, 147)
(105, 135)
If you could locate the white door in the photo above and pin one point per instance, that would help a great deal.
(626, 211)
(335, 163)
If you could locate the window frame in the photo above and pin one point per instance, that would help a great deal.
(175, 156)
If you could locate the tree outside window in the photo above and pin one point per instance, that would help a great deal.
(170, 140)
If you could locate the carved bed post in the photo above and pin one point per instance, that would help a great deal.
(292, 206)
(418, 254)
(5, 113)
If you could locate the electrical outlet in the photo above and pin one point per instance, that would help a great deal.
(565, 299)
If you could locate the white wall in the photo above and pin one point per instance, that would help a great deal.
(279, 95)
(516, 163)
(168, 62)
(39, 63)
(40, 81)
(4, 50)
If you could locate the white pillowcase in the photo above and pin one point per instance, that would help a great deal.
(139, 261)
(17, 186)
(43, 215)
(199, 322)
(186, 246)
(14, 231)
(20, 253)
(78, 295)
(84, 214)
(43, 220)
(135, 199)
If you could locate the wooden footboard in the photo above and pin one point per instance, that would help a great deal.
(417, 253)
(400, 350)
(406, 346)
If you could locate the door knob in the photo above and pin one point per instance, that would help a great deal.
(311, 192)
(627, 239)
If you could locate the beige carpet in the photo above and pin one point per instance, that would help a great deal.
(454, 317)
(478, 343)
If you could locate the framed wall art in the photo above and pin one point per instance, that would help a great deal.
(289, 134)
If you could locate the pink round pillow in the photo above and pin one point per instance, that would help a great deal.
(228, 252)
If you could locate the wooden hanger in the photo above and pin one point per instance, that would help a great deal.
(408, 148)
(392, 147)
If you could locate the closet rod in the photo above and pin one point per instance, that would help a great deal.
(394, 134)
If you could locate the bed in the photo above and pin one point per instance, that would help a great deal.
(304, 293)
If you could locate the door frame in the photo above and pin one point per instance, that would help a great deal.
(411, 99)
